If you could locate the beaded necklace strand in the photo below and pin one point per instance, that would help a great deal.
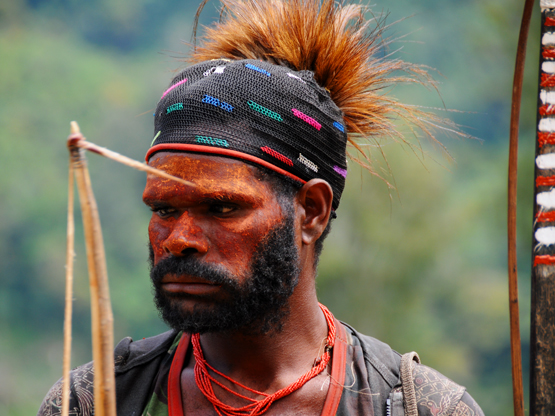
(256, 407)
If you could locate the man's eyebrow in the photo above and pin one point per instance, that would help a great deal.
(154, 202)
(207, 197)
(230, 196)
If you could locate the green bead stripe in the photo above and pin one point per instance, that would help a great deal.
(212, 141)
(264, 111)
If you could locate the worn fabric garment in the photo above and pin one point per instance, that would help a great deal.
(371, 385)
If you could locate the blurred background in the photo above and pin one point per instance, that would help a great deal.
(422, 267)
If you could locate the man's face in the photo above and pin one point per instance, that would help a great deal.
(223, 252)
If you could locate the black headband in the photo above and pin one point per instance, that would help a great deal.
(255, 111)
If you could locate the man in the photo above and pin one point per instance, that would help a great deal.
(258, 127)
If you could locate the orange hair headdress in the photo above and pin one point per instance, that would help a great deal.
(343, 49)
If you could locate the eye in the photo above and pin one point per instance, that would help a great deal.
(222, 209)
(163, 212)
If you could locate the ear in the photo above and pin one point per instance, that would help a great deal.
(315, 199)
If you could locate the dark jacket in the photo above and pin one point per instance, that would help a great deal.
(137, 363)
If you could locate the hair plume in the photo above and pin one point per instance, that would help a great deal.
(345, 51)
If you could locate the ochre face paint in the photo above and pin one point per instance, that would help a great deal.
(221, 220)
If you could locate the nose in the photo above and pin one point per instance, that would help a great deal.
(186, 238)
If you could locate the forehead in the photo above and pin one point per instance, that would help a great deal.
(209, 174)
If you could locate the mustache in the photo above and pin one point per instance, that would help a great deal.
(191, 266)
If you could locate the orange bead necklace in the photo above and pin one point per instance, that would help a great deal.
(256, 407)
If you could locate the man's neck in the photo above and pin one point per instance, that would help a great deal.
(270, 361)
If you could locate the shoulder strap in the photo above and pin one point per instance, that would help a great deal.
(407, 382)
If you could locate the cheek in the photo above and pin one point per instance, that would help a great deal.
(157, 234)
(239, 243)
(236, 249)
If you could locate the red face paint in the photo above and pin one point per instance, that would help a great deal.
(221, 220)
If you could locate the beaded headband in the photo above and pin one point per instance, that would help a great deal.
(255, 111)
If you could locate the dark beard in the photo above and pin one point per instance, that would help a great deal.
(256, 306)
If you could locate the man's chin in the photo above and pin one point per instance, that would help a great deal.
(191, 313)
(194, 314)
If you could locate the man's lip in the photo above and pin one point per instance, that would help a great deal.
(188, 284)
(185, 279)
(190, 288)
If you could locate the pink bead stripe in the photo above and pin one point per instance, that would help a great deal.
(306, 118)
(173, 86)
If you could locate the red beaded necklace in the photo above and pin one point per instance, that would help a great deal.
(256, 407)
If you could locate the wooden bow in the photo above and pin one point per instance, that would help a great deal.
(516, 354)
(101, 309)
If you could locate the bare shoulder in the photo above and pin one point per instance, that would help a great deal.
(437, 395)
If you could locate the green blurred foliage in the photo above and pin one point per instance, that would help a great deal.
(421, 267)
